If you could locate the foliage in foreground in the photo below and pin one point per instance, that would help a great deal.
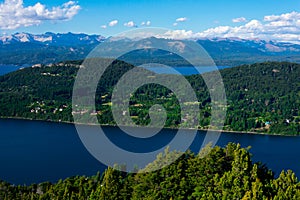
(222, 173)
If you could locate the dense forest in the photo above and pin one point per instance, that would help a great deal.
(262, 97)
(214, 173)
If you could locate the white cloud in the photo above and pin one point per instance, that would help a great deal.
(181, 19)
(178, 34)
(284, 17)
(147, 23)
(104, 26)
(13, 14)
(113, 23)
(175, 24)
(130, 24)
(284, 28)
(239, 20)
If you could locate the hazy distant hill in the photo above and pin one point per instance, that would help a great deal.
(235, 51)
(26, 48)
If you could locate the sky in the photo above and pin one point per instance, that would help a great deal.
(263, 19)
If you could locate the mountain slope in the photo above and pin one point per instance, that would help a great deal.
(26, 48)
(235, 51)
(261, 97)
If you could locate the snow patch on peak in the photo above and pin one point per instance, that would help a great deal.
(49, 37)
(43, 38)
(23, 37)
(6, 39)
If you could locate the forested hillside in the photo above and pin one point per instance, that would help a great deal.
(218, 173)
(262, 97)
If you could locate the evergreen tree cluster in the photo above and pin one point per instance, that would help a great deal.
(262, 97)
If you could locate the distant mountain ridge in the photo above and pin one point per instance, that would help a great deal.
(236, 51)
(27, 48)
(260, 45)
(52, 38)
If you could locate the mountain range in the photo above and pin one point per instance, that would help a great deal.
(50, 38)
(26, 48)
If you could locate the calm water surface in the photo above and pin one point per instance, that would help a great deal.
(35, 151)
(184, 70)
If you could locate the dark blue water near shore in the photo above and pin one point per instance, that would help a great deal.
(5, 69)
(35, 151)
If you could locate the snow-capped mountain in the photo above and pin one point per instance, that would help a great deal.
(52, 38)
(26, 48)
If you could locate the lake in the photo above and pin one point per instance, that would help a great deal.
(37, 151)
(5, 69)
(184, 70)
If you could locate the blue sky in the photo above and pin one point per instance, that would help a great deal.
(93, 17)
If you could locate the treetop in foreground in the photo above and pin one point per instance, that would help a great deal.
(215, 173)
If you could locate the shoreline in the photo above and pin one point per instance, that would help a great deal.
(169, 128)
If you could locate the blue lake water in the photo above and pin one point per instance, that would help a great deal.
(5, 69)
(184, 70)
(36, 151)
